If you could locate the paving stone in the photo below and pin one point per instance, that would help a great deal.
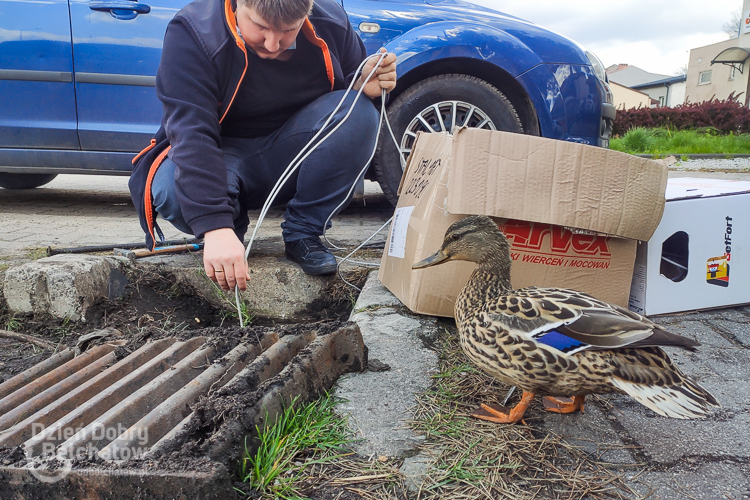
(737, 332)
(591, 431)
(722, 480)
(64, 286)
(415, 469)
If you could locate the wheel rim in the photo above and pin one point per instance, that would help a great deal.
(444, 117)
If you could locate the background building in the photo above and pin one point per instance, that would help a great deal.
(662, 90)
(668, 92)
(721, 69)
(627, 98)
(706, 80)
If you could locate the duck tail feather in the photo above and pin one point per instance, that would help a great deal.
(685, 401)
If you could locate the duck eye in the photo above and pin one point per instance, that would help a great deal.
(455, 236)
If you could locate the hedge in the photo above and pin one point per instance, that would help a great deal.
(727, 116)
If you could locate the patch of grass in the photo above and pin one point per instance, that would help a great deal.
(476, 459)
(663, 142)
(4, 267)
(303, 435)
(36, 253)
(12, 323)
(228, 298)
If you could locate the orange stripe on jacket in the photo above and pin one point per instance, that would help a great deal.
(147, 197)
(232, 24)
(144, 151)
(309, 30)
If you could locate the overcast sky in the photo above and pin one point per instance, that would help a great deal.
(655, 35)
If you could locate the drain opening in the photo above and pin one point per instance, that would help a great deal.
(120, 400)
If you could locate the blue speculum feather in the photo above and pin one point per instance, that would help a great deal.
(561, 342)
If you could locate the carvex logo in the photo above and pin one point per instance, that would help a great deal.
(524, 235)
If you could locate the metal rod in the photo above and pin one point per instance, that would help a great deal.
(108, 248)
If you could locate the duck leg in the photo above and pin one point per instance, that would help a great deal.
(499, 417)
(563, 405)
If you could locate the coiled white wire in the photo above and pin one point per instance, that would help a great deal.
(304, 153)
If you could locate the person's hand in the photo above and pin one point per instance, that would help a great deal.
(383, 78)
(224, 259)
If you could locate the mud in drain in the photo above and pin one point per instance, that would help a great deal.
(157, 415)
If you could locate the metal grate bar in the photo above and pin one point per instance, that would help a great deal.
(36, 371)
(71, 423)
(22, 431)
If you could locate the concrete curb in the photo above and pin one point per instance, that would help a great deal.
(379, 403)
(696, 156)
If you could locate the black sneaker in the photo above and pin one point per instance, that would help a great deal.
(311, 255)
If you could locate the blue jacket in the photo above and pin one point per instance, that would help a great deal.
(202, 65)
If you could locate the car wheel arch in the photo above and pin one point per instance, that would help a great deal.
(479, 68)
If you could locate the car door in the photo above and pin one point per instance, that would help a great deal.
(37, 96)
(116, 50)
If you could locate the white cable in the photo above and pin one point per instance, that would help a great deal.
(297, 161)
(361, 173)
(338, 266)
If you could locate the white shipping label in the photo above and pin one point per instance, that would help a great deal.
(400, 226)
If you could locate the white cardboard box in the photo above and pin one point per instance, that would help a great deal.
(699, 255)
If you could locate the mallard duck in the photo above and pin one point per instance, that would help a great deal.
(555, 342)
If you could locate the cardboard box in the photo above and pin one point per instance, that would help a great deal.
(571, 211)
(699, 255)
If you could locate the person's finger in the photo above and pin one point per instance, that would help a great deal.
(221, 278)
(241, 276)
(229, 275)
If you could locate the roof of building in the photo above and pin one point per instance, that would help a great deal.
(630, 76)
(662, 83)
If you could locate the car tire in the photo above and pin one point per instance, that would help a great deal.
(452, 94)
(24, 181)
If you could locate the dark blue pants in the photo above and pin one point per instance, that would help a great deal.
(255, 165)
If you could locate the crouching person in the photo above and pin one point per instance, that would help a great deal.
(244, 88)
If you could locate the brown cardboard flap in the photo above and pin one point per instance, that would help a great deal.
(556, 182)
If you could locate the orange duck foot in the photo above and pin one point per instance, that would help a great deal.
(563, 405)
(499, 416)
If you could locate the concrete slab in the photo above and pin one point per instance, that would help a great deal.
(278, 289)
(378, 403)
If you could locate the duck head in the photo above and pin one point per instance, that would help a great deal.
(476, 239)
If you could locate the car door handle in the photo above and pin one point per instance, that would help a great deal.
(140, 8)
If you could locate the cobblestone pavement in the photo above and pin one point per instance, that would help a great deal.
(78, 210)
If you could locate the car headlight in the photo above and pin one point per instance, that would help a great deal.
(596, 63)
(601, 74)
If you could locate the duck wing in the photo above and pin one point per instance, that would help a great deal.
(571, 321)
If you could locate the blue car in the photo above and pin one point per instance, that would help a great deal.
(77, 81)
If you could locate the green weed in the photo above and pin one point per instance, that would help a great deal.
(302, 435)
(13, 324)
(664, 142)
(36, 253)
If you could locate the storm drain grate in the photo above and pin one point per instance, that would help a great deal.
(95, 407)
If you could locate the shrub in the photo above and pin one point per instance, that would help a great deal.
(710, 117)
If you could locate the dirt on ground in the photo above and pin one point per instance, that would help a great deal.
(151, 309)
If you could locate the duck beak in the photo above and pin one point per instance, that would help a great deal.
(437, 258)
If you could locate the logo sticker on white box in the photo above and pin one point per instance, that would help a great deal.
(397, 246)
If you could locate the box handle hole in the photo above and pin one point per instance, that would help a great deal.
(674, 257)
